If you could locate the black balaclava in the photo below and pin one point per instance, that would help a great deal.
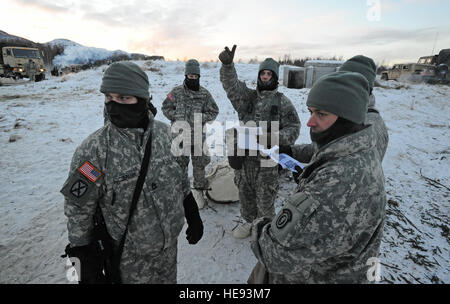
(192, 84)
(270, 85)
(340, 128)
(128, 115)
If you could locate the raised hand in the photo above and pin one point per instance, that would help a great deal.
(226, 56)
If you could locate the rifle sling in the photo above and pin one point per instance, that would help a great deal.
(136, 195)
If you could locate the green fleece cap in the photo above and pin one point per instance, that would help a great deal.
(269, 64)
(192, 67)
(364, 65)
(342, 93)
(125, 78)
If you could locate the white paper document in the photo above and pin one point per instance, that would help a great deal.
(248, 140)
(283, 159)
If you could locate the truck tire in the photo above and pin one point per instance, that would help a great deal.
(384, 76)
(444, 57)
(39, 77)
(441, 71)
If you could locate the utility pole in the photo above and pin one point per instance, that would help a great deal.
(435, 40)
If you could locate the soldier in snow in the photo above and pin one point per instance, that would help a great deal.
(182, 104)
(103, 175)
(365, 66)
(258, 184)
(328, 230)
(31, 66)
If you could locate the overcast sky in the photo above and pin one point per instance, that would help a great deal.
(386, 30)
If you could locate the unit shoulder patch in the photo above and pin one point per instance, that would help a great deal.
(78, 188)
(284, 218)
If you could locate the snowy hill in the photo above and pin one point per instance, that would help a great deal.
(5, 37)
(42, 123)
(63, 43)
(64, 52)
(78, 54)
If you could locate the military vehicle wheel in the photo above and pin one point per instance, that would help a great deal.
(444, 57)
(384, 76)
(39, 77)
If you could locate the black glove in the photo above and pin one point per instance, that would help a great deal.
(296, 175)
(194, 231)
(227, 56)
(286, 150)
(91, 263)
(234, 160)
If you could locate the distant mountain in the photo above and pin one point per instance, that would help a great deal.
(62, 42)
(7, 39)
(64, 52)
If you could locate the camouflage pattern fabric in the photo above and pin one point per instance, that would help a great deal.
(374, 118)
(304, 152)
(256, 106)
(198, 165)
(333, 223)
(180, 105)
(115, 155)
(150, 269)
(258, 185)
(31, 66)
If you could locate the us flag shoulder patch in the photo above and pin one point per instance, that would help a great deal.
(170, 96)
(90, 172)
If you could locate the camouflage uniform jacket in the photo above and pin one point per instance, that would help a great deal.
(374, 118)
(181, 104)
(265, 106)
(31, 66)
(304, 152)
(332, 225)
(117, 154)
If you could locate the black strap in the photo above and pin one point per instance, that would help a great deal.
(136, 195)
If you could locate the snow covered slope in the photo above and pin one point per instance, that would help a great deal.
(42, 123)
(75, 53)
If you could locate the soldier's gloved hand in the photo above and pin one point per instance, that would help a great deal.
(91, 264)
(194, 231)
(286, 150)
(297, 175)
(226, 56)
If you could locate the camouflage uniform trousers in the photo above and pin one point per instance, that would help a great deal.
(198, 166)
(149, 269)
(258, 187)
(32, 76)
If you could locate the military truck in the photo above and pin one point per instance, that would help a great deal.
(408, 71)
(429, 69)
(428, 59)
(14, 62)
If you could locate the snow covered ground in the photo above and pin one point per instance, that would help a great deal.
(42, 123)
